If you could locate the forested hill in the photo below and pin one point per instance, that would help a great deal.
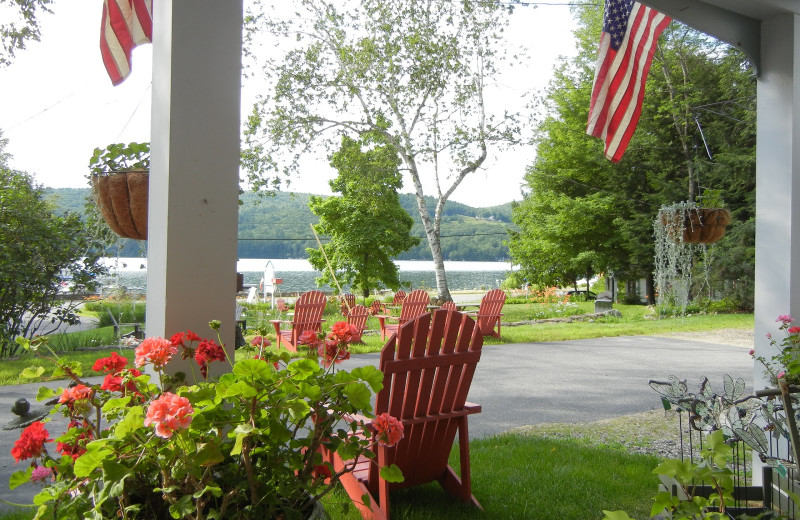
(278, 227)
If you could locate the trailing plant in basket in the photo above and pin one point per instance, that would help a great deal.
(120, 157)
(244, 446)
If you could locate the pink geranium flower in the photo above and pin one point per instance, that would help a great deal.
(156, 351)
(41, 473)
(781, 374)
(169, 413)
(784, 319)
(388, 429)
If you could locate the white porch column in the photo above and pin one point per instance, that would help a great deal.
(194, 178)
(777, 276)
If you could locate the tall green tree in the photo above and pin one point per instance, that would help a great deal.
(367, 225)
(591, 215)
(24, 27)
(37, 250)
(411, 71)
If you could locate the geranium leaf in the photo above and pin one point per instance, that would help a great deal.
(371, 375)
(91, 460)
(182, 508)
(365, 499)
(254, 369)
(114, 404)
(237, 446)
(358, 394)
(313, 392)
(303, 368)
(209, 455)
(214, 490)
(45, 393)
(392, 473)
(298, 409)
(20, 477)
(240, 389)
(133, 420)
(114, 475)
(44, 496)
(32, 373)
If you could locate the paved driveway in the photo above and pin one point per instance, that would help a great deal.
(526, 383)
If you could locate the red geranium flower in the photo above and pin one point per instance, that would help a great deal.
(207, 352)
(113, 382)
(78, 447)
(793, 330)
(260, 341)
(308, 337)
(388, 429)
(110, 365)
(31, 442)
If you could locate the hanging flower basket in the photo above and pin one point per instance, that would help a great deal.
(695, 225)
(120, 181)
(122, 199)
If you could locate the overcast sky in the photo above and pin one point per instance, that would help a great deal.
(57, 103)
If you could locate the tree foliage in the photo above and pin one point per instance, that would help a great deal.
(367, 225)
(37, 249)
(583, 214)
(411, 71)
(16, 33)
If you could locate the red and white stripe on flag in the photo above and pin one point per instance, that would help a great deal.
(125, 24)
(628, 41)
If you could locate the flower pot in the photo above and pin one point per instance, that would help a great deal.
(122, 199)
(700, 225)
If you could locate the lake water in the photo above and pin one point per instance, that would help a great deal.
(298, 275)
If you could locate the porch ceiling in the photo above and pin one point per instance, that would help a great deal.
(737, 22)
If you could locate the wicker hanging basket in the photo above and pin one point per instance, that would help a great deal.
(700, 225)
(122, 199)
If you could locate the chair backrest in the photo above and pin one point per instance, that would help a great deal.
(427, 370)
(415, 304)
(348, 302)
(377, 307)
(490, 309)
(449, 306)
(399, 297)
(308, 311)
(280, 303)
(358, 318)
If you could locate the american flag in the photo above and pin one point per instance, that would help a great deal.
(125, 24)
(627, 44)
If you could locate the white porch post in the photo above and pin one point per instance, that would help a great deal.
(777, 279)
(194, 178)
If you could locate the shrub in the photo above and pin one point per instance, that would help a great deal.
(109, 312)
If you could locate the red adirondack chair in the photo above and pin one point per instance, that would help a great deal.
(414, 305)
(449, 306)
(399, 296)
(488, 314)
(348, 302)
(427, 371)
(308, 311)
(358, 318)
(377, 307)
